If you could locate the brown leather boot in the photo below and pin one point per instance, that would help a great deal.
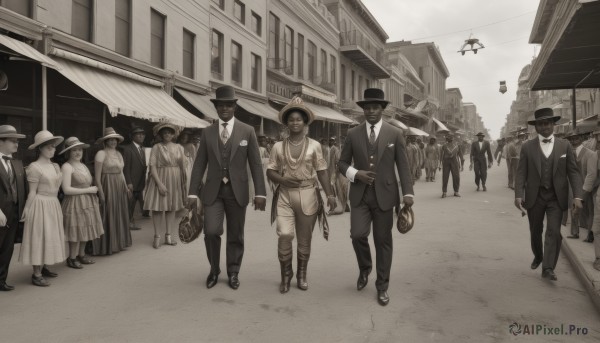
(301, 277)
(287, 272)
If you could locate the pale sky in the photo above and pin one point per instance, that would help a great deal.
(506, 51)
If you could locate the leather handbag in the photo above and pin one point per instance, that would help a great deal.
(192, 223)
(406, 219)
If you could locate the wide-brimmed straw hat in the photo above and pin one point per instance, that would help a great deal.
(73, 142)
(296, 104)
(156, 129)
(45, 136)
(7, 131)
(109, 133)
(543, 114)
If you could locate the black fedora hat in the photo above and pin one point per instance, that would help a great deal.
(577, 132)
(543, 114)
(373, 95)
(137, 129)
(480, 134)
(224, 94)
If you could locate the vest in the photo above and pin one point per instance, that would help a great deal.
(225, 150)
(546, 191)
(372, 155)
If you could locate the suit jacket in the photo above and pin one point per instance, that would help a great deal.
(135, 168)
(391, 151)
(529, 172)
(478, 154)
(6, 203)
(244, 152)
(588, 167)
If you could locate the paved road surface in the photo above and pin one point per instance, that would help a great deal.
(462, 275)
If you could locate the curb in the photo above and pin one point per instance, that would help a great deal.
(582, 274)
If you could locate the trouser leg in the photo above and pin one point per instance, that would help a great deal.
(382, 236)
(7, 242)
(214, 215)
(477, 170)
(553, 237)
(455, 169)
(483, 173)
(360, 227)
(236, 218)
(536, 227)
(445, 175)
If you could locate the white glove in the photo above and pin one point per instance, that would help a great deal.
(2, 219)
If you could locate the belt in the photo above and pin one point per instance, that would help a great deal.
(304, 184)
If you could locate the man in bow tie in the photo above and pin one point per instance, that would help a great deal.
(12, 198)
(547, 166)
(226, 149)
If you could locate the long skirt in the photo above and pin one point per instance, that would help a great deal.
(43, 235)
(115, 216)
(82, 219)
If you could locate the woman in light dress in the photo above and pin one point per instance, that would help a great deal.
(113, 194)
(81, 210)
(43, 235)
(166, 191)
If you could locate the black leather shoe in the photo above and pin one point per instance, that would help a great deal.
(39, 281)
(535, 264)
(134, 228)
(6, 288)
(212, 279)
(549, 274)
(573, 236)
(234, 281)
(383, 298)
(363, 279)
(47, 273)
(589, 238)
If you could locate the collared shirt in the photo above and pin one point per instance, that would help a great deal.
(230, 124)
(546, 147)
(480, 145)
(351, 171)
(5, 163)
(578, 150)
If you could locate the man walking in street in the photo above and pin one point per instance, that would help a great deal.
(451, 161)
(372, 152)
(587, 161)
(478, 151)
(134, 170)
(432, 159)
(514, 153)
(226, 148)
(13, 188)
(547, 168)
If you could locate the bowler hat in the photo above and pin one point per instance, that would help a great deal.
(543, 114)
(224, 94)
(45, 136)
(373, 95)
(73, 142)
(7, 131)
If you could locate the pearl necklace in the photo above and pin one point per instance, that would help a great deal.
(296, 143)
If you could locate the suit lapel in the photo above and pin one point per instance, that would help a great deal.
(382, 140)
(537, 155)
(236, 137)
(363, 133)
(136, 152)
(558, 149)
(213, 137)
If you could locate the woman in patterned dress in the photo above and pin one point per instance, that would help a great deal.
(166, 191)
(113, 194)
(81, 210)
(43, 235)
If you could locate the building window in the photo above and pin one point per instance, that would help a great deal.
(333, 62)
(360, 85)
(353, 85)
(239, 11)
(343, 81)
(323, 66)
(189, 40)
(274, 39)
(82, 19)
(312, 61)
(157, 39)
(300, 56)
(122, 26)
(236, 63)
(256, 73)
(256, 23)
(216, 54)
(288, 38)
(220, 3)
(23, 7)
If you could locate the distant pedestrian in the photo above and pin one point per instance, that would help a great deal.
(432, 159)
(547, 168)
(135, 170)
(451, 161)
(478, 162)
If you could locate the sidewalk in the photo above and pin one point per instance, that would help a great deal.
(581, 256)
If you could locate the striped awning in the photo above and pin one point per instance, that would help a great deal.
(127, 96)
(328, 114)
(200, 102)
(27, 50)
(259, 108)
(440, 125)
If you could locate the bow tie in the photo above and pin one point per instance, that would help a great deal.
(7, 158)
(547, 140)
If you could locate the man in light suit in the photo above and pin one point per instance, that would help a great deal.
(372, 152)
(478, 151)
(587, 161)
(547, 167)
(135, 171)
(226, 149)
(13, 193)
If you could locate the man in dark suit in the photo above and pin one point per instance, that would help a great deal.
(478, 163)
(371, 153)
(547, 167)
(226, 149)
(12, 198)
(135, 171)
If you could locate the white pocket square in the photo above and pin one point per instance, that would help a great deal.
(563, 156)
(244, 143)
(390, 145)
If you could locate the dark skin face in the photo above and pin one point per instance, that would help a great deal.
(373, 113)
(331, 142)
(576, 141)
(449, 139)
(225, 110)
(295, 123)
(545, 127)
(480, 138)
(432, 141)
(139, 138)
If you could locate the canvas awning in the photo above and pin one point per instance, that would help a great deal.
(129, 97)
(440, 125)
(201, 102)
(26, 50)
(328, 114)
(260, 109)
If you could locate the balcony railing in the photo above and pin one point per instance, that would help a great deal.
(357, 38)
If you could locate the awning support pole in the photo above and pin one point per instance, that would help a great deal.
(574, 103)
(262, 123)
(103, 118)
(44, 99)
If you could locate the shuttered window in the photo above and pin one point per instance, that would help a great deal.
(157, 39)
(188, 53)
(122, 26)
(82, 19)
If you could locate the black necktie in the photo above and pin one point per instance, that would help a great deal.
(372, 135)
(547, 140)
(142, 155)
(11, 178)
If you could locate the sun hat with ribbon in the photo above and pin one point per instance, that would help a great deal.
(43, 137)
(73, 142)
